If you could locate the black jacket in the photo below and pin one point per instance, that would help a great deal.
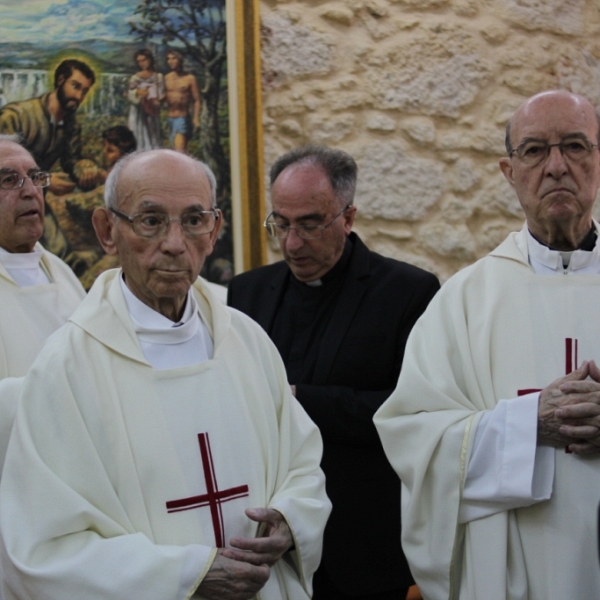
(357, 369)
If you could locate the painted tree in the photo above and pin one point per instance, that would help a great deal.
(197, 29)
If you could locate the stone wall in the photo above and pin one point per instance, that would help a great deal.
(419, 91)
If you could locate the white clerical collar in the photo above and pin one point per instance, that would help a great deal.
(546, 261)
(168, 345)
(151, 326)
(25, 267)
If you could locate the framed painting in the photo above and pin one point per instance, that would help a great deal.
(85, 83)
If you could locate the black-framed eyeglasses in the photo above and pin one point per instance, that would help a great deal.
(306, 231)
(11, 180)
(156, 224)
(533, 152)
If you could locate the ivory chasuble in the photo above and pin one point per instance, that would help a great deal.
(122, 480)
(495, 331)
(29, 315)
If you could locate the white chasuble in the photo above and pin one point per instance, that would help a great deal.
(30, 314)
(122, 480)
(495, 331)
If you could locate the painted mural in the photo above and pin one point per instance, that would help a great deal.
(86, 81)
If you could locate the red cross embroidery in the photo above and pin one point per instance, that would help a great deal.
(571, 358)
(213, 497)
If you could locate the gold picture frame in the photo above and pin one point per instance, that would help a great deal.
(246, 132)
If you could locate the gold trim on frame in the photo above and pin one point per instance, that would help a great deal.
(246, 134)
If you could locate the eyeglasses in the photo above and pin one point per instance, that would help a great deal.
(11, 180)
(304, 230)
(533, 152)
(156, 224)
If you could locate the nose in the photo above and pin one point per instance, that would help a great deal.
(293, 241)
(556, 165)
(28, 190)
(173, 241)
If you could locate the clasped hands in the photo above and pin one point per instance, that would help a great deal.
(569, 411)
(239, 572)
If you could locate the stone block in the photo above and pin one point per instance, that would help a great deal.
(329, 129)
(553, 16)
(420, 129)
(290, 51)
(381, 123)
(395, 185)
(338, 14)
(453, 241)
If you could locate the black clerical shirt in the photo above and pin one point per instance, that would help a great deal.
(303, 316)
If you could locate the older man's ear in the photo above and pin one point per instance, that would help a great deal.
(103, 225)
(506, 167)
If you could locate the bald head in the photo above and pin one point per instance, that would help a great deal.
(531, 106)
(135, 167)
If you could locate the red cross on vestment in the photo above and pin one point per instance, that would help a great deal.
(213, 497)
(571, 351)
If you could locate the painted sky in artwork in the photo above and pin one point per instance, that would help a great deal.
(45, 21)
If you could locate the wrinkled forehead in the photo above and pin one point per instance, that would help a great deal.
(164, 181)
(14, 156)
(553, 117)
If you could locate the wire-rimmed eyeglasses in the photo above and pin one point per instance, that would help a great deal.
(11, 180)
(533, 152)
(306, 231)
(156, 224)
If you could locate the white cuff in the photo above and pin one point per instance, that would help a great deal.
(506, 468)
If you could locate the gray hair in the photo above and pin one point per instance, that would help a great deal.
(339, 167)
(111, 199)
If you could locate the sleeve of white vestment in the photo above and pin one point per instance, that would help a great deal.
(507, 469)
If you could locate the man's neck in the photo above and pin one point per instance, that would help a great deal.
(170, 307)
(565, 238)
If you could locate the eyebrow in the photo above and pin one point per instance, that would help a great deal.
(309, 217)
(149, 205)
(9, 170)
(575, 134)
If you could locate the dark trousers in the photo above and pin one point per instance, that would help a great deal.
(323, 589)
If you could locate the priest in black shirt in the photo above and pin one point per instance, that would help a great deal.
(340, 316)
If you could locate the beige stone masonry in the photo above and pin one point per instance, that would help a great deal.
(419, 91)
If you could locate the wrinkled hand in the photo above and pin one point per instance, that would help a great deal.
(569, 411)
(267, 549)
(229, 579)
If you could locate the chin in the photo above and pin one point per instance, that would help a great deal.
(170, 288)
(305, 277)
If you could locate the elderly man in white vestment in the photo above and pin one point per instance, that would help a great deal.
(38, 291)
(494, 425)
(157, 451)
